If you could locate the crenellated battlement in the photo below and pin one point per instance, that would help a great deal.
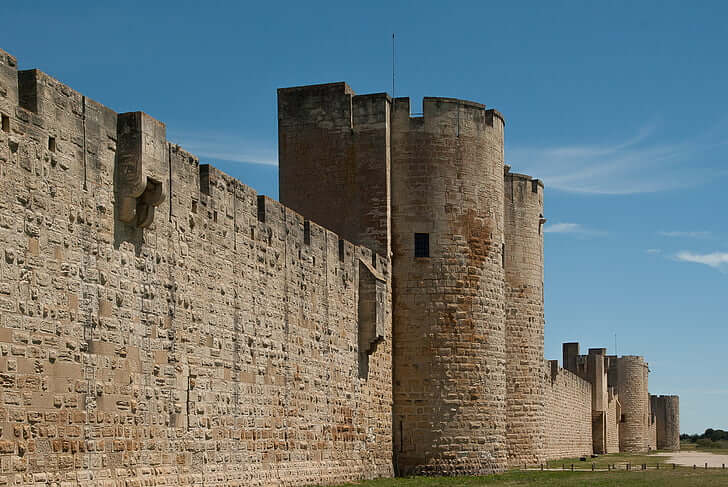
(149, 168)
(447, 117)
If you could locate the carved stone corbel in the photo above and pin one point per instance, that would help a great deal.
(140, 168)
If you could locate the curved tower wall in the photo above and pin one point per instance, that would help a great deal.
(524, 314)
(667, 412)
(632, 386)
(449, 331)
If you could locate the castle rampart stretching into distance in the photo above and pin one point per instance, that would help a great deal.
(163, 324)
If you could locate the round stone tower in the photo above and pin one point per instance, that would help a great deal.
(449, 330)
(632, 387)
(667, 415)
(524, 314)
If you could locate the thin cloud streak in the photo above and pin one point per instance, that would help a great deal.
(716, 260)
(227, 148)
(653, 251)
(686, 234)
(571, 228)
(640, 164)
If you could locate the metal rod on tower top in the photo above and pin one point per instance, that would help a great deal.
(392, 64)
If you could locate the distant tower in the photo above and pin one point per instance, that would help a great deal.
(449, 334)
(667, 412)
(632, 388)
(523, 258)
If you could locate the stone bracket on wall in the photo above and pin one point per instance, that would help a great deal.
(371, 311)
(140, 168)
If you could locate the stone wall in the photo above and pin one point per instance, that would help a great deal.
(634, 398)
(523, 259)
(449, 362)
(161, 323)
(667, 414)
(614, 413)
(568, 400)
(333, 148)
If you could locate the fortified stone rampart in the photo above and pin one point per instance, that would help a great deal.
(523, 260)
(449, 363)
(614, 414)
(161, 323)
(632, 388)
(667, 413)
(568, 413)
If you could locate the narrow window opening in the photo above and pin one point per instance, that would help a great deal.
(214, 216)
(52, 144)
(194, 207)
(534, 185)
(374, 260)
(313, 260)
(261, 209)
(307, 232)
(299, 254)
(503, 255)
(252, 233)
(6, 123)
(622, 419)
(341, 250)
(422, 244)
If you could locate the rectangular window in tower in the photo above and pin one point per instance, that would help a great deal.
(5, 123)
(52, 144)
(503, 255)
(422, 244)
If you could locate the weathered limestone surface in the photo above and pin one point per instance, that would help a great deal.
(614, 413)
(216, 341)
(449, 362)
(667, 413)
(634, 430)
(162, 324)
(523, 259)
(568, 414)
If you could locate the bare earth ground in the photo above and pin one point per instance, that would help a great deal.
(699, 458)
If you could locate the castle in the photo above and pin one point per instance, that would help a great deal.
(162, 324)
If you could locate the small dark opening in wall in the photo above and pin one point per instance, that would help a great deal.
(422, 244)
(341, 250)
(313, 260)
(52, 144)
(307, 232)
(534, 185)
(622, 419)
(503, 255)
(194, 206)
(214, 216)
(261, 209)
(5, 123)
(252, 233)
(374, 260)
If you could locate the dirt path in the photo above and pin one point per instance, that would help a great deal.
(699, 458)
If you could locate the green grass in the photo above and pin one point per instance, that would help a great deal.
(603, 461)
(665, 477)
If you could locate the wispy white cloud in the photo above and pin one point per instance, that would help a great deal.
(716, 260)
(653, 251)
(227, 147)
(573, 228)
(641, 164)
(686, 234)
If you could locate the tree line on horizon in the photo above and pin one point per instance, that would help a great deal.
(712, 438)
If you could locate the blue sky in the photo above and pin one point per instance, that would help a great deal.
(618, 106)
